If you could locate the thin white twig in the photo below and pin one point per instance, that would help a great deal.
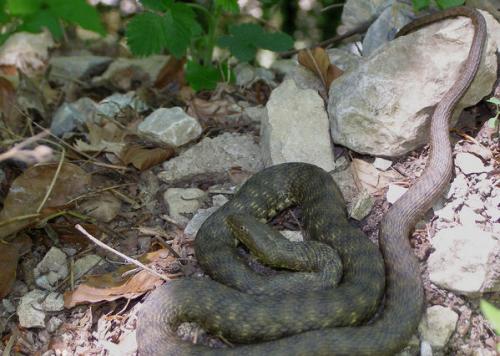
(125, 257)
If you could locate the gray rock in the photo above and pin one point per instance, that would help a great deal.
(53, 302)
(484, 187)
(459, 187)
(214, 156)
(116, 103)
(460, 260)
(71, 116)
(347, 185)
(255, 113)
(294, 236)
(373, 111)
(361, 206)
(394, 193)
(150, 65)
(85, 264)
(246, 75)
(30, 311)
(8, 306)
(437, 325)
(183, 201)
(382, 164)
(51, 269)
(53, 324)
(470, 164)
(198, 219)
(446, 213)
(425, 348)
(296, 128)
(385, 27)
(468, 217)
(171, 126)
(356, 12)
(219, 200)
(65, 69)
(474, 202)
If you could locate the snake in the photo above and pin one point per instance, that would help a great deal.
(379, 300)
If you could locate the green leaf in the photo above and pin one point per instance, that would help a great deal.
(493, 122)
(22, 7)
(180, 27)
(245, 39)
(200, 77)
(445, 4)
(492, 314)
(77, 12)
(39, 21)
(493, 100)
(228, 5)
(156, 5)
(420, 4)
(146, 34)
(275, 41)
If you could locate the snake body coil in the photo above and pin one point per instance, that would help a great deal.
(319, 322)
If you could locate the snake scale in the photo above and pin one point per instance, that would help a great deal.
(331, 321)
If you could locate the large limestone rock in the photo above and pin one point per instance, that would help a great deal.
(296, 128)
(383, 107)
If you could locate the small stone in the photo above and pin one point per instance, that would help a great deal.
(30, 311)
(437, 325)
(71, 116)
(470, 164)
(85, 264)
(447, 213)
(425, 348)
(8, 305)
(51, 269)
(171, 126)
(219, 200)
(294, 236)
(53, 324)
(474, 202)
(395, 192)
(198, 219)
(484, 187)
(361, 206)
(53, 302)
(183, 201)
(460, 260)
(214, 156)
(458, 188)
(382, 164)
(468, 217)
(116, 103)
(255, 113)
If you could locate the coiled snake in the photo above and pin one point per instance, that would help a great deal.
(316, 322)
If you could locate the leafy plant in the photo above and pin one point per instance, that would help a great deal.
(442, 4)
(494, 121)
(493, 315)
(35, 15)
(192, 29)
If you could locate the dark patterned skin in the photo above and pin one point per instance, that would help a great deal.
(319, 322)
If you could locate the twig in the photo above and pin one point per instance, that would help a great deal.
(125, 257)
(10, 344)
(53, 182)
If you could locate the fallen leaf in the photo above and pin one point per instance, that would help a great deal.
(13, 118)
(370, 177)
(212, 109)
(317, 61)
(143, 158)
(171, 75)
(114, 285)
(9, 257)
(29, 189)
(106, 138)
(103, 207)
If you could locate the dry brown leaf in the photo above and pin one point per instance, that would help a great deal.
(111, 286)
(317, 61)
(28, 190)
(143, 158)
(172, 74)
(12, 117)
(106, 138)
(370, 177)
(9, 256)
(211, 109)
